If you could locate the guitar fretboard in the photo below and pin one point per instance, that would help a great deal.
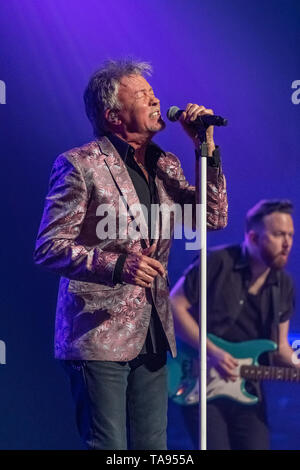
(285, 374)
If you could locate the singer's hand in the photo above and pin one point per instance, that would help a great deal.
(192, 111)
(140, 269)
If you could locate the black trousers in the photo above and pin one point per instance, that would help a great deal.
(230, 425)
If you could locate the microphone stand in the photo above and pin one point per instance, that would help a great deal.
(201, 195)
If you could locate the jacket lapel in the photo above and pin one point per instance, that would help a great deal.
(124, 183)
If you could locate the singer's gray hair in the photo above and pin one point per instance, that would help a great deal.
(101, 92)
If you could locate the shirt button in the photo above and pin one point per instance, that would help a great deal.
(241, 302)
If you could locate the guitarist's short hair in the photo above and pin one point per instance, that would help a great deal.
(265, 207)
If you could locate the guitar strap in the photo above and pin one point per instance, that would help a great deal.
(276, 316)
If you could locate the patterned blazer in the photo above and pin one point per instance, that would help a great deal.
(95, 319)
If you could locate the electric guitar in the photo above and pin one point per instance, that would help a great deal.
(184, 377)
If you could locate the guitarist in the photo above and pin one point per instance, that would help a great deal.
(249, 296)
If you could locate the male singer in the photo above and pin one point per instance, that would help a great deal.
(113, 320)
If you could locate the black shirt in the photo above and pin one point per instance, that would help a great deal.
(253, 322)
(233, 313)
(156, 340)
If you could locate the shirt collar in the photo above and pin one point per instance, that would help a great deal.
(122, 147)
(126, 151)
(242, 262)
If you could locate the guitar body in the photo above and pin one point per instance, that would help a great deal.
(183, 383)
(246, 353)
(183, 374)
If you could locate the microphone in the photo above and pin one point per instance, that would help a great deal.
(205, 121)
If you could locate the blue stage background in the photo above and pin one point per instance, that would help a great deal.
(240, 58)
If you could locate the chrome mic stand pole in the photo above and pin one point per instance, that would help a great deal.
(202, 196)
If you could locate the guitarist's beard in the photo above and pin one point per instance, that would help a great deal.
(277, 261)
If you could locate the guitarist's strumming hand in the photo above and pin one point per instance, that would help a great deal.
(222, 361)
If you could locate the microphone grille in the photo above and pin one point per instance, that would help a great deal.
(172, 112)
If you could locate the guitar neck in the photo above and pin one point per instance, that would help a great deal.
(284, 374)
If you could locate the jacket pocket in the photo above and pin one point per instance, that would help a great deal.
(80, 286)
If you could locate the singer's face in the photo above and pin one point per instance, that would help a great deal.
(140, 113)
(275, 239)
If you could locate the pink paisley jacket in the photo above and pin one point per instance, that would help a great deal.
(95, 319)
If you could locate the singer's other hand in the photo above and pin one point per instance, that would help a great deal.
(191, 112)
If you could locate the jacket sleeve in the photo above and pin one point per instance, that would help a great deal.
(170, 170)
(217, 204)
(57, 248)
